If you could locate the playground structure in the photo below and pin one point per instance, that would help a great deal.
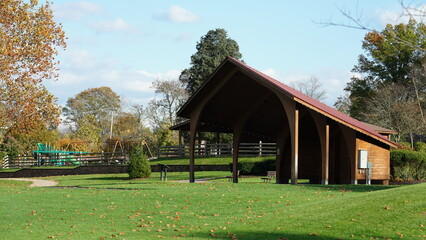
(48, 155)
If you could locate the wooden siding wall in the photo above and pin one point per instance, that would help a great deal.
(379, 156)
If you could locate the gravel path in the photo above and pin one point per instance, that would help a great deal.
(36, 182)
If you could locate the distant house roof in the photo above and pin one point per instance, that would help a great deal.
(297, 96)
(380, 130)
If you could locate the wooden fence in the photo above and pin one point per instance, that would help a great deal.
(211, 150)
(58, 160)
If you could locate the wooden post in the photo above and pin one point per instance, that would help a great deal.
(193, 125)
(281, 141)
(260, 148)
(295, 150)
(218, 150)
(350, 138)
(200, 150)
(325, 160)
(238, 128)
(354, 165)
(180, 144)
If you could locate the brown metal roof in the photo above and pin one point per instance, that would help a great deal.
(297, 96)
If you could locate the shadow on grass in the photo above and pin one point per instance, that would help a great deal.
(350, 188)
(114, 178)
(262, 235)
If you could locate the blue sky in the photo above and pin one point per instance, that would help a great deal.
(128, 44)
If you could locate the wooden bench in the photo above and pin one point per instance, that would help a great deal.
(269, 176)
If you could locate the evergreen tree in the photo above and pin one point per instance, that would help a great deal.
(138, 164)
(212, 49)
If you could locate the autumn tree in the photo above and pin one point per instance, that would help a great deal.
(29, 42)
(126, 126)
(212, 49)
(97, 104)
(387, 61)
(390, 79)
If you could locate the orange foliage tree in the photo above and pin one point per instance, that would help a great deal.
(29, 42)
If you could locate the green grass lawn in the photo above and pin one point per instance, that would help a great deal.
(212, 210)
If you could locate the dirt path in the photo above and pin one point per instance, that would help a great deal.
(36, 182)
(200, 180)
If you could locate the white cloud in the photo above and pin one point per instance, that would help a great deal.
(391, 17)
(70, 78)
(76, 10)
(172, 74)
(116, 25)
(396, 17)
(80, 70)
(176, 14)
(271, 72)
(137, 86)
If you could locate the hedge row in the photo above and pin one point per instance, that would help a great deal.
(256, 168)
(408, 165)
(403, 156)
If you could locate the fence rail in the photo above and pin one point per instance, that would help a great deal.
(49, 160)
(208, 150)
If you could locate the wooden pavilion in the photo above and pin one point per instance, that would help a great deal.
(314, 141)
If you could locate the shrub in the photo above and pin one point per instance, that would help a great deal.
(420, 146)
(256, 168)
(138, 164)
(408, 165)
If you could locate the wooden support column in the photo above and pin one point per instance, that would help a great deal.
(323, 130)
(194, 120)
(354, 164)
(281, 142)
(295, 149)
(350, 138)
(236, 148)
(238, 129)
(180, 144)
(293, 122)
(193, 125)
(325, 159)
